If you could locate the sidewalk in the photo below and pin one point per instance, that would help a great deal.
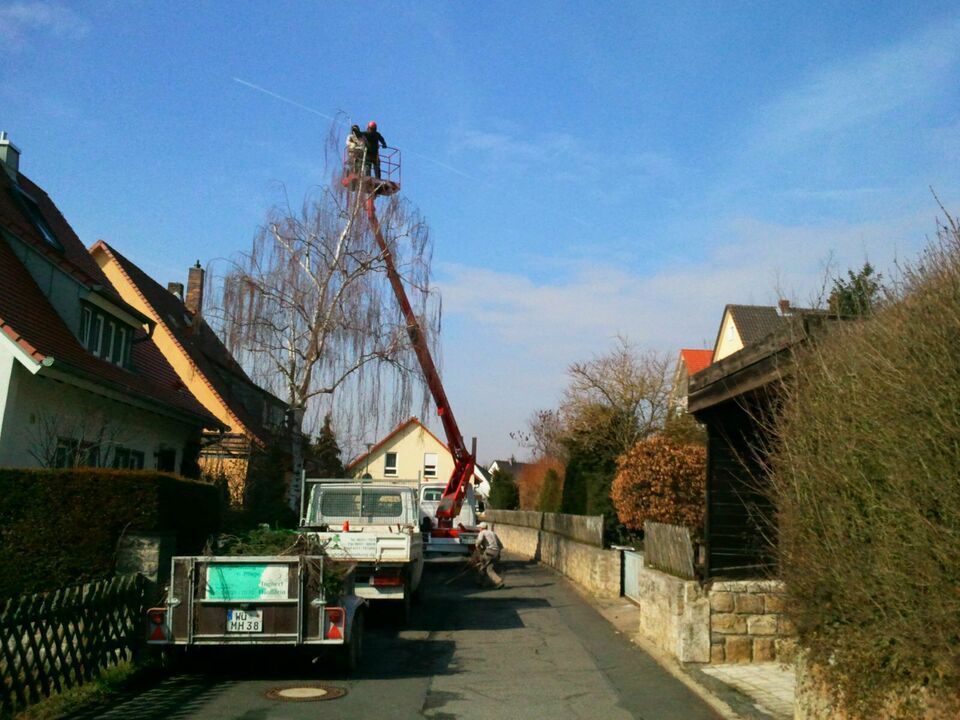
(761, 691)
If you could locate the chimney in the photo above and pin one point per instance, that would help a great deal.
(784, 307)
(194, 301)
(176, 289)
(9, 155)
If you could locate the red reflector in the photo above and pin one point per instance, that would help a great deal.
(335, 620)
(157, 618)
(386, 581)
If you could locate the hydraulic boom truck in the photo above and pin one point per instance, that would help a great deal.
(451, 501)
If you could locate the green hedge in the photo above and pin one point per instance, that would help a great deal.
(61, 527)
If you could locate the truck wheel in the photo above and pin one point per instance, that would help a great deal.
(351, 653)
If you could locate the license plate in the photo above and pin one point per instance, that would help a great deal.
(244, 621)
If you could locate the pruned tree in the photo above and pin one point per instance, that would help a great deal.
(308, 310)
(543, 435)
(62, 437)
(630, 385)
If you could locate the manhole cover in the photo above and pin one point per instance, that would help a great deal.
(306, 693)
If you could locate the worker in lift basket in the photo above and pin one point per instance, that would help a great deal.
(374, 141)
(356, 144)
(486, 553)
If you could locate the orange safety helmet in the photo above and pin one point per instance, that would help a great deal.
(371, 125)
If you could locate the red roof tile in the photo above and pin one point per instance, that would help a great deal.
(28, 318)
(696, 360)
(201, 345)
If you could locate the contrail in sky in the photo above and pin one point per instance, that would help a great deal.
(285, 99)
(333, 119)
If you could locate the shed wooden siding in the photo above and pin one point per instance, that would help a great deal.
(739, 519)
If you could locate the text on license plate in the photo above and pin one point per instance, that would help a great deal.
(244, 621)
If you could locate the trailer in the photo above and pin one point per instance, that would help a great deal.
(302, 602)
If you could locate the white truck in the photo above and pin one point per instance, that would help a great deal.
(374, 524)
(455, 542)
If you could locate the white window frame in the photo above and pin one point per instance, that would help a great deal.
(429, 468)
(390, 470)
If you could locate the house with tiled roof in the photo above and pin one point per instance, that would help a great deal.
(81, 380)
(690, 362)
(255, 449)
(411, 452)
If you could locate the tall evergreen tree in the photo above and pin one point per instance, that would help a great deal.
(326, 452)
(504, 493)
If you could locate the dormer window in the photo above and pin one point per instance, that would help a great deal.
(32, 211)
(105, 336)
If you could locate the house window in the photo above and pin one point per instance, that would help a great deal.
(73, 453)
(390, 464)
(166, 460)
(108, 340)
(127, 459)
(32, 210)
(86, 318)
(105, 337)
(121, 346)
(96, 334)
(429, 465)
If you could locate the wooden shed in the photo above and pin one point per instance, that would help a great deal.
(735, 398)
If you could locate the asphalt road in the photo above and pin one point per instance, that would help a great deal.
(534, 649)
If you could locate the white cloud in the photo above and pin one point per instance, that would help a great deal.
(19, 20)
(532, 330)
(861, 89)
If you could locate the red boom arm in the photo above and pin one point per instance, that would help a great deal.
(463, 461)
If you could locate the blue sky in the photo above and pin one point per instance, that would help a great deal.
(616, 167)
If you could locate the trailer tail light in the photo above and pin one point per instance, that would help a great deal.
(386, 581)
(157, 628)
(335, 618)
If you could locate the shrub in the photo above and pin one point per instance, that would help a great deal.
(865, 477)
(504, 494)
(531, 478)
(61, 527)
(551, 494)
(661, 480)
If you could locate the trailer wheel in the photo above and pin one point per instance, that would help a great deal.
(351, 653)
(404, 610)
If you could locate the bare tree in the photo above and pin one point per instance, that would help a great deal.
(632, 385)
(308, 310)
(543, 436)
(63, 438)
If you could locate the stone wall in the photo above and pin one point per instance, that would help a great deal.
(595, 569)
(674, 615)
(747, 623)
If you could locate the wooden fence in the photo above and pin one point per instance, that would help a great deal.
(53, 641)
(668, 548)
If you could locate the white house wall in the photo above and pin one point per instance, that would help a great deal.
(28, 402)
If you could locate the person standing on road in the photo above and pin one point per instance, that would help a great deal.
(374, 141)
(487, 551)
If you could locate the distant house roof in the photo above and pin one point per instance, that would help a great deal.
(388, 437)
(511, 466)
(30, 321)
(199, 343)
(696, 360)
(755, 322)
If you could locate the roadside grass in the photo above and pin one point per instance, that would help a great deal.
(112, 682)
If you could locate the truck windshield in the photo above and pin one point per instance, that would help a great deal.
(345, 503)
